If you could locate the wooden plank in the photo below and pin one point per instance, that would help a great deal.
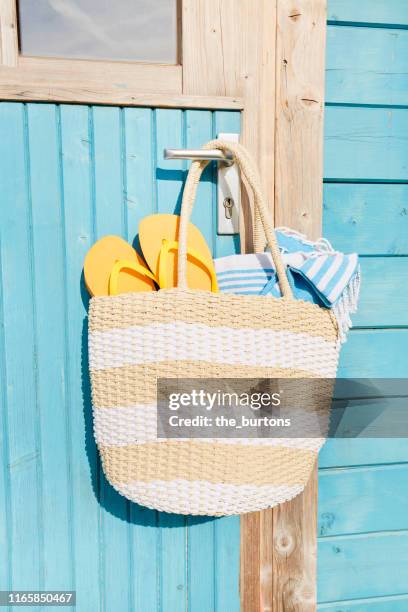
(173, 569)
(359, 566)
(366, 144)
(20, 337)
(373, 70)
(5, 505)
(21, 88)
(376, 494)
(259, 67)
(170, 174)
(384, 292)
(76, 160)
(115, 76)
(397, 603)
(201, 576)
(298, 203)
(139, 168)
(8, 33)
(173, 529)
(48, 268)
(294, 551)
(108, 204)
(235, 57)
(382, 417)
(197, 127)
(250, 565)
(227, 564)
(375, 353)
(366, 11)
(352, 452)
(354, 215)
(139, 177)
(204, 48)
(299, 114)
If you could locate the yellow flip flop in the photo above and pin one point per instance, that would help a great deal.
(158, 236)
(112, 266)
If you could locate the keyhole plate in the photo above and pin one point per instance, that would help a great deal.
(228, 189)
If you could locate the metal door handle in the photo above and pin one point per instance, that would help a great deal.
(211, 154)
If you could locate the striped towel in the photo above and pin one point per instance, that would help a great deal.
(316, 272)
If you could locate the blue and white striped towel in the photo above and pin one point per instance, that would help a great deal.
(316, 273)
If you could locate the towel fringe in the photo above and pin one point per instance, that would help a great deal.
(347, 304)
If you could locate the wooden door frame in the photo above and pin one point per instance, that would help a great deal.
(265, 58)
(273, 57)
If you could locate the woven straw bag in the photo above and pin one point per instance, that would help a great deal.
(136, 338)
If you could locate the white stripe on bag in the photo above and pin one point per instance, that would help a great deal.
(181, 341)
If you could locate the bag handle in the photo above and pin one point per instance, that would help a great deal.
(248, 170)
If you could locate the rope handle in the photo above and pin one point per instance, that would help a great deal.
(249, 171)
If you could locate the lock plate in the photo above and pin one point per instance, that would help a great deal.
(228, 194)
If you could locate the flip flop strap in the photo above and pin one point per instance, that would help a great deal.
(250, 173)
(168, 246)
(125, 264)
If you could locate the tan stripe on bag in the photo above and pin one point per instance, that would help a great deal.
(137, 384)
(216, 463)
(211, 309)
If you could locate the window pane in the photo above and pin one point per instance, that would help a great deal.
(135, 30)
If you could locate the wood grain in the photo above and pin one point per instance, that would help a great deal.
(300, 57)
(385, 12)
(363, 565)
(235, 56)
(294, 552)
(340, 490)
(373, 71)
(97, 82)
(250, 573)
(354, 217)
(366, 144)
(8, 33)
(300, 52)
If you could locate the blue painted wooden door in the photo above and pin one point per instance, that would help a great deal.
(69, 175)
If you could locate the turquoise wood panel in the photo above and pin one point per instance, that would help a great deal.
(139, 201)
(77, 180)
(378, 353)
(397, 603)
(352, 452)
(386, 12)
(372, 71)
(384, 292)
(363, 565)
(353, 217)
(106, 125)
(48, 252)
(24, 482)
(366, 144)
(362, 505)
(69, 175)
(364, 499)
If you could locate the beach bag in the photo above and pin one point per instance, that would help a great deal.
(137, 338)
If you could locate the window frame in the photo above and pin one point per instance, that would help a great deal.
(49, 79)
